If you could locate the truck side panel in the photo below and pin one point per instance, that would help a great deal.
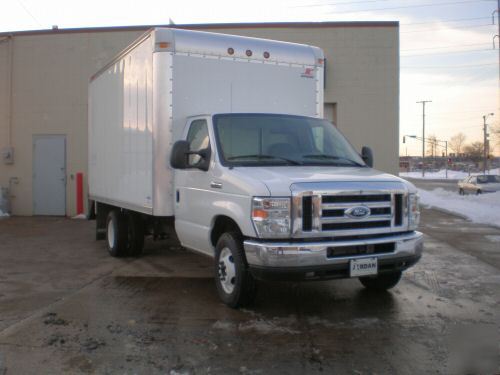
(121, 131)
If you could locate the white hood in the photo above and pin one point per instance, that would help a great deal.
(279, 179)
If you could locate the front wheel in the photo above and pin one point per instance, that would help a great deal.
(381, 282)
(235, 285)
(461, 192)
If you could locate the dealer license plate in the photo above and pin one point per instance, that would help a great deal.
(363, 267)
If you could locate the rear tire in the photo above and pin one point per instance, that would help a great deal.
(235, 285)
(461, 192)
(478, 192)
(116, 233)
(135, 234)
(381, 282)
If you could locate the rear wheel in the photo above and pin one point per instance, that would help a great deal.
(235, 285)
(479, 191)
(381, 282)
(461, 191)
(116, 233)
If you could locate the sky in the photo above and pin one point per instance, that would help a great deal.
(446, 46)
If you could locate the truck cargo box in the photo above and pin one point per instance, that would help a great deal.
(139, 104)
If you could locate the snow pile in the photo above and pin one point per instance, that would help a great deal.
(441, 175)
(3, 214)
(484, 208)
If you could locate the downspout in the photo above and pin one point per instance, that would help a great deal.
(10, 50)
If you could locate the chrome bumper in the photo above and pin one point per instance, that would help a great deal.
(310, 254)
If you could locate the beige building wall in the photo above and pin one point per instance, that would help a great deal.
(50, 72)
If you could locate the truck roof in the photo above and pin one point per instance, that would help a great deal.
(225, 45)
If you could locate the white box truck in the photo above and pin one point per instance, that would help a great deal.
(219, 140)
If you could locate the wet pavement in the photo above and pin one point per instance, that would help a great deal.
(66, 307)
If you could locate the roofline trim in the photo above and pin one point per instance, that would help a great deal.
(208, 26)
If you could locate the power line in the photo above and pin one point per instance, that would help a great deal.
(446, 21)
(30, 14)
(338, 3)
(447, 66)
(412, 6)
(441, 28)
(448, 46)
(449, 52)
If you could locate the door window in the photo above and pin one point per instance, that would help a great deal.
(198, 139)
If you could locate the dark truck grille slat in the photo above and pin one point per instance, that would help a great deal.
(333, 252)
(398, 208)
(307, 214)
(356, 225)
(356, 198)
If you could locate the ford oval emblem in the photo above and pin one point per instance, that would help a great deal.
(358, 212)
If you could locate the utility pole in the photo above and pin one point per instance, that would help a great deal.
(485, 142)
(423, 133)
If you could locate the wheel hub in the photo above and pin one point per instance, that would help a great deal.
(227, 270)
(111, 234)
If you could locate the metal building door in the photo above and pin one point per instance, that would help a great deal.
(49, 175)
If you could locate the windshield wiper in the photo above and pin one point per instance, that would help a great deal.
(332, 157)
(263, 156)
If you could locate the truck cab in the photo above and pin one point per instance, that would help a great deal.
(284, 197)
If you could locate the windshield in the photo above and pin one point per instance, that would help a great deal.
(266, 139)
(488, 178)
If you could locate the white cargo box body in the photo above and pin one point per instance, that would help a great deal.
(140, 102)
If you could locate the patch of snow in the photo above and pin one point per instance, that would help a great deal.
(3, 214)
(483, 208)
(80, 216)
(493, 238)
(441, 175)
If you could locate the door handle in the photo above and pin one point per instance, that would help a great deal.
(216, 185)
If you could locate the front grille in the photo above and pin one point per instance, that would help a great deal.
(346, 213)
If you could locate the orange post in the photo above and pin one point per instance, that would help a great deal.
(79, 193)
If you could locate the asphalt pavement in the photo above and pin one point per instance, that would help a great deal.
(67, 307)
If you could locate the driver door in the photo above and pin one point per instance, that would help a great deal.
(192, 194)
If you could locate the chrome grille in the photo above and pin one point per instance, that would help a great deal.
(326, 210)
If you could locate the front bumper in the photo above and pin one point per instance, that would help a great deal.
(310, 260)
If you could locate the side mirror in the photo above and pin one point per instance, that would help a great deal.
(179, 158)
(179, 155)
(367, 156)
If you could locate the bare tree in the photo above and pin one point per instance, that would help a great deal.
(474, 150)
(456, 143)
(431, 145)
(495, 131)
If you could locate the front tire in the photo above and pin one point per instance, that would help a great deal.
(235, 285)
(381, 282)
(461, 192)
(116, 233)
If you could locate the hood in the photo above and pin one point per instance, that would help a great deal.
(279, 179)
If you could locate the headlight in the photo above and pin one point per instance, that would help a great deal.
(271, 217)
(413, 211)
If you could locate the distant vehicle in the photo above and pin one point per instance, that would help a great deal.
(479, 184)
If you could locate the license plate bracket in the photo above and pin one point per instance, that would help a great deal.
(363, 267)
